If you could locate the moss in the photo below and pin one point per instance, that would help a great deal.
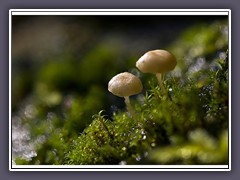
(187, 127)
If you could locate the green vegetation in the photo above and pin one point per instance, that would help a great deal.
(188, 126)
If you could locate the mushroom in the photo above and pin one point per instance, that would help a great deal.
(157, 62)
(124, 85)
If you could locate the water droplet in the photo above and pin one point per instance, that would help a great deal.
(144, 137)
(123, 163)
(138, 158)
(170, 89)
(153, 144)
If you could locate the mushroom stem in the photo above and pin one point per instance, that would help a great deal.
(160, 82)
(129, 106)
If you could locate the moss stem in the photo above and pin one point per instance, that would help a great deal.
(105, 127)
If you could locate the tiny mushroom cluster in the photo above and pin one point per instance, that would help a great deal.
(126, 84)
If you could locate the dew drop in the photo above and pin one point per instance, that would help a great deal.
(138, 158)
(123, 163)
(144, 137)
(153, 144)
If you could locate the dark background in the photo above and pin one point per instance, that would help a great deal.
(39, 40)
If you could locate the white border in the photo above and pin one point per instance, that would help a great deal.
(10, 90)
(121, 167)
(118, 12)
(230, 87)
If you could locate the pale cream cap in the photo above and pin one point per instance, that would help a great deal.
(156, 61)
(125, 84)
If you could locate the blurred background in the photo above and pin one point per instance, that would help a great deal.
(61, 66)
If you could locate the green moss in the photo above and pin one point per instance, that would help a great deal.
(185, 128)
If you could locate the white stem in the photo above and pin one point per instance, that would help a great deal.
(129, 106)
(160, 82)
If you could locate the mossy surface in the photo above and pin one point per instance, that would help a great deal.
(189, 126)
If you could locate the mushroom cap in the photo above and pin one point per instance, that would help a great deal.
(125, 84)
(156, 61)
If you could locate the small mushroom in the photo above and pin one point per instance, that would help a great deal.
(124, 85)
(157, 62)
